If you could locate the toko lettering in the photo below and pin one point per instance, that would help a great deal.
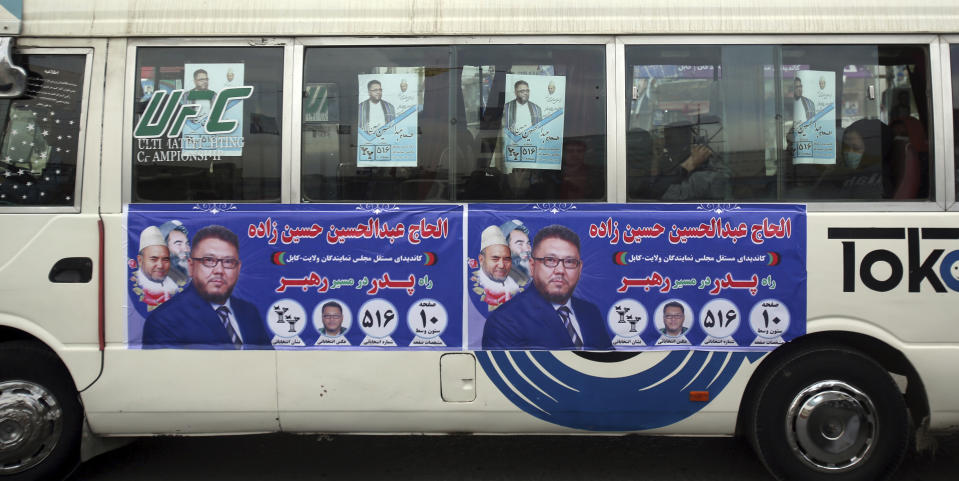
(919, 268)
(166, 113)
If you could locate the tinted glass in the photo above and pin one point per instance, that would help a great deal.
(454, 123)
(227, 153)
(798, 122)
(39, 132)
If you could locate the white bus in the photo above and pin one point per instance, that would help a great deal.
(252, 217)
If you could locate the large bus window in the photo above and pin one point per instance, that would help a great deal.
(807, 123)
(39, 132)
(375, 123)
(198, 135)
(440, 123)
(881, 122)
(696, 118)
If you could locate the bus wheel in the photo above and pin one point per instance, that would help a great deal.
(40, 415)
(829, 413)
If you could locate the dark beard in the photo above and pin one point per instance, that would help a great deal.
(215, 298)
(555, 299)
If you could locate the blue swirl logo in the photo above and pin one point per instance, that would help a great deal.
(540, 384)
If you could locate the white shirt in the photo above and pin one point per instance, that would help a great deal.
(508, 286)
(572, 317)
(232, 316)
(799, 112)
(154, 287)
(523, 118)
(377, 117)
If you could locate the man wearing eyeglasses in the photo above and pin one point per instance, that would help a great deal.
(374, 111)
(206, 315)
(549, 317)
(332, 313)
(674, 315)
(674, 329)
(522, 114)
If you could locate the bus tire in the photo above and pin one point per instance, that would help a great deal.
(40, 414)
(829, 413)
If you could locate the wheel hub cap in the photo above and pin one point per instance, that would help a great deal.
(832, 426)
(30, 424)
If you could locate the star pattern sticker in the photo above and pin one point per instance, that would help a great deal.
(38, 137)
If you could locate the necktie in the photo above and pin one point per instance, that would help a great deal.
(224, 313)
(564, 314)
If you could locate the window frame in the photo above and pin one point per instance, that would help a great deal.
(37, 46)
(130, 76)
(301, 44)
(943, 192)
(616, 164)
(944, 143)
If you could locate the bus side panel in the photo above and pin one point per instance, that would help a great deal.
(183, 392)
(63, 315)
(162, 391)
(398, 392)
(901, 290)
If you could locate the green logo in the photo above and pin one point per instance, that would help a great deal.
(168, 112)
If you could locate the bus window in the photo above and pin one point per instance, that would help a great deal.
(565, 90)
(440, 123)
(880, 122)
(39, 132)
(358, 100)
(807, 123)
(696, 118)
(228, 154)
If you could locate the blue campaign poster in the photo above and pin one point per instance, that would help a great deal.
(524, 277)
(387, 120)
(814, 117)
(533, 118)
(339, 276)
(642, 276)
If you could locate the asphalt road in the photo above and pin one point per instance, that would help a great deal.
(556, 458)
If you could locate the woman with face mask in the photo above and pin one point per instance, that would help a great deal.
(860, 164)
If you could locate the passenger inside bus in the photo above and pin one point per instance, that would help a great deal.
(687, 168)
(757, 96)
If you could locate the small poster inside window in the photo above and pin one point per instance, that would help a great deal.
(813, 109)
(387, 120)
(204, 81)
(533, 121)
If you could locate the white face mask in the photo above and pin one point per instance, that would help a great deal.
(852, 159)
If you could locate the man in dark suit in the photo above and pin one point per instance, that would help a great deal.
(804, 108)
(522, 114)
(206, 315)
(374, 111)
(549, 317)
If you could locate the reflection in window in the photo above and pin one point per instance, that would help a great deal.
(777, 123)
(39, 132)
(454, 123)
(198, 133)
